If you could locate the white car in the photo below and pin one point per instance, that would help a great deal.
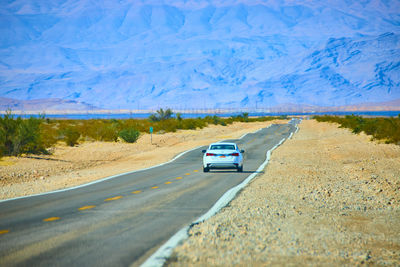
(223, 156)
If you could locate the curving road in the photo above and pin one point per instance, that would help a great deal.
(123, 220)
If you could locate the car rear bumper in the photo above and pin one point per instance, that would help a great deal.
(222, 165)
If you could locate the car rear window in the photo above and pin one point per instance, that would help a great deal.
(215, 147)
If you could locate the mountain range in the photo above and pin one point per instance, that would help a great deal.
(145, 54)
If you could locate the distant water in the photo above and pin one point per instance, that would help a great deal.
(87, 116)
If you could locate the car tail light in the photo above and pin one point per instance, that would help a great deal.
(210, 154)
(234, 154)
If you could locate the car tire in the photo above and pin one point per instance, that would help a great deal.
(206, 169)
(240, 169)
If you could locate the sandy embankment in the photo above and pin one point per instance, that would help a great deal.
(327, 198)
(71, 166)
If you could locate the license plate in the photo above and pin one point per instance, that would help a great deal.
(222, 156)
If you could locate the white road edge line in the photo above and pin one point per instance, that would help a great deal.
(112, 177)
(159, 257)
(297, 127)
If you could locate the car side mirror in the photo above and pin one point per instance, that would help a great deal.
(204, 151)
(241, 151)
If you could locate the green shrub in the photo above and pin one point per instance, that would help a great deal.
(99, 130)
(88, 129)
(161, 115)
(18, 136)
(71, 136)
(188, 124)
(50, 133)
(283, 117)
(8, 132)
(29, 138)
(129, 135)
(245, 116)
(215, 120)
(108, 133)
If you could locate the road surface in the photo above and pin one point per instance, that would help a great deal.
(122, 221)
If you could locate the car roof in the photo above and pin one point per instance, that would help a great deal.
(223, 143)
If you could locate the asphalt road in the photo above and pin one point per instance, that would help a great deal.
(121, 221)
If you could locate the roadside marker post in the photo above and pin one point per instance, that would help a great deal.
(151, 135)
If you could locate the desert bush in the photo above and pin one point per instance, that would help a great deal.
(29, 138)
(18, 136)
(169, 125)
(271, 118)
(88, 129)
(189, 124)
(387, 129)
(35, 135)
(99, 130)
(215, 120)
(71, 136)
(283, 117)
(8, 131)
(140, 125)
(129, 135)
(245, 116)
(50, 133)
(108, 133)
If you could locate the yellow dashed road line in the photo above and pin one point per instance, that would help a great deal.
(113, 198)
(136, 192)
(51, 219)
(154, 187)
(187, 173)
(252, 140)
(196, 171)
(87, 207)
(178, 178)
(2, 232)
(168, 182)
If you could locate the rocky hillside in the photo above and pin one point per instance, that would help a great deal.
(201, 54)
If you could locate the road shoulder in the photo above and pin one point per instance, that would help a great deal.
(328, 197)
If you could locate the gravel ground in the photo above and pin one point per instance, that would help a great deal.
(327, 198)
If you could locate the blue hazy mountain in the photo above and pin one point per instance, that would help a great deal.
(201, 53)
